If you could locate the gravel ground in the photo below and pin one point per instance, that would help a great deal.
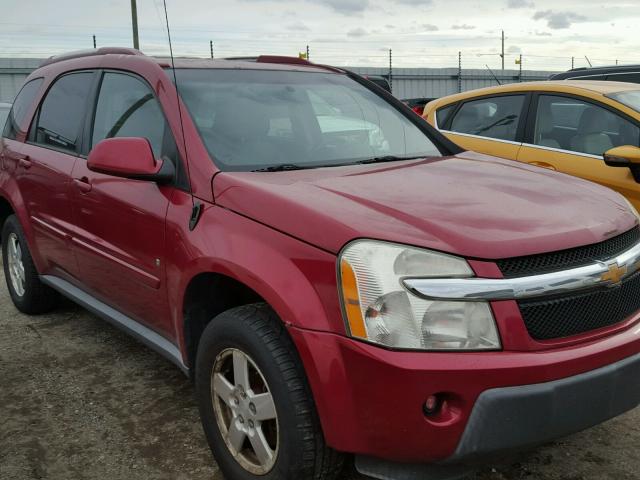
(81, 400)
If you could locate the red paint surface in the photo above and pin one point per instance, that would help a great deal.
(471, 204)
(123, 156)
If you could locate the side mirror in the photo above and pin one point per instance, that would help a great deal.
(624, 156)
(129, 157)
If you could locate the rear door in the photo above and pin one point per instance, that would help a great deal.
(121, 222)
(570, 134)
(43, 169)
(491, 125)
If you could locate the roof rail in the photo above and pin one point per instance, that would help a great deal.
(91, 53)
(294, 61)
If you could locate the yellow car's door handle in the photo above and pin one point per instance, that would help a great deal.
(543, 165)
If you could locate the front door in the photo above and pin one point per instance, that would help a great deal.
(488, 125)
(571, 134)
(121, 241)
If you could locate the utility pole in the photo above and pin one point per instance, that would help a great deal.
(308, 60)
(94, 41)
(211, 47)
(134, 24)
(390, 71)
(502, 55)
(459, 72)
(573, 59)
(520, 75)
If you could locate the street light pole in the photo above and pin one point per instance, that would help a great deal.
(134, 24)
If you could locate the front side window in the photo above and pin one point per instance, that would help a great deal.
(127, 108)
(580, 126)
(20, 107)
(495, 117)
(62, 112)
(254, 119)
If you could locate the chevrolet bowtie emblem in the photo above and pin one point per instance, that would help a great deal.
(615, 273)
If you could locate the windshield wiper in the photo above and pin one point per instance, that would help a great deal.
(388, 158)
(281, 168)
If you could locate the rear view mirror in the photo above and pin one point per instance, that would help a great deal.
(129, 157)
(624, 156)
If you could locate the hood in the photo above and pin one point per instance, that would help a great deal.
(471, 204)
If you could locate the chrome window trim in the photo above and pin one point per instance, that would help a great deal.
(551, 149)
(511, 142)
(594, 275)
(561, 150)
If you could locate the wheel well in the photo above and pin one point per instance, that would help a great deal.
(208, 295)
(5, 211)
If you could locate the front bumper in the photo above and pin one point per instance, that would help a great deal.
(370, 399)
(521, 416)
(516, 417)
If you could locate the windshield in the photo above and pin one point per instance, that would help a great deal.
(255, 119)
(630, 98)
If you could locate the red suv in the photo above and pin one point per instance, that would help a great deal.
(337, 277)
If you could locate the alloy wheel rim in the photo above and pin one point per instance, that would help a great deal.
(16, 267)
(245, 411)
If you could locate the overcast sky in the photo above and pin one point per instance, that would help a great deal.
(343, 32)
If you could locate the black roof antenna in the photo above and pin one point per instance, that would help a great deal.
(493, 74)
(196, 207)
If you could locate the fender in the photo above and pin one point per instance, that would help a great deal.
(296, 279)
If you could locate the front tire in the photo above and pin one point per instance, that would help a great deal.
(256, 407)
(27, 292)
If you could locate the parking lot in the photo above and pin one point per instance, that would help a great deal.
(81, 400)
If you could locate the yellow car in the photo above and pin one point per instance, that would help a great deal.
(584, 128)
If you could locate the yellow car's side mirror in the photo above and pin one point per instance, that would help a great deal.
(624, 156)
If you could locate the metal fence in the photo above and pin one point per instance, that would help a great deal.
(438, 82)
(406, 82)
(13, 71)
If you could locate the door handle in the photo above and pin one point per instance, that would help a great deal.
(21, 160)
(543, 165)
(83, 184)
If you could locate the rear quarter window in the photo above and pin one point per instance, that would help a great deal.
(443, 114)
(20, 107)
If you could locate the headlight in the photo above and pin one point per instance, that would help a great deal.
(379, 309)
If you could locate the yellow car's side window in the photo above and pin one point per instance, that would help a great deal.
(576, 125)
